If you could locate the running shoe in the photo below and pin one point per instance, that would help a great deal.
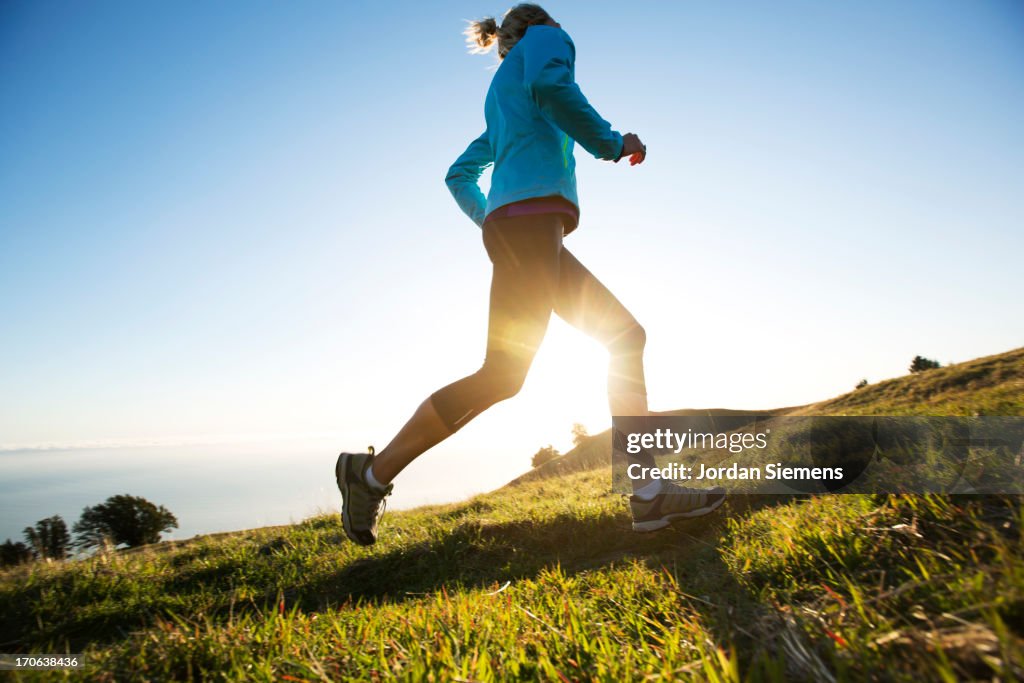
(673, 502)
(361, 504)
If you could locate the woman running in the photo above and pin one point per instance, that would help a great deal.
(535, 113)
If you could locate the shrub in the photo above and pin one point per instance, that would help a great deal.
(130, 520)
(49, 538)
(12, 553)
(861, 384)
(546, 454)
(579, 434)
(920, 364)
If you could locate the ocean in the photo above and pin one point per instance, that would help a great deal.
(221, 487)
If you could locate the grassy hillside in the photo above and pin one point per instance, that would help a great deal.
(993, 385)
(544, 580)
(989, 386)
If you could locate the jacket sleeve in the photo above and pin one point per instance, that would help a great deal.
(547, 74)
(463, 176)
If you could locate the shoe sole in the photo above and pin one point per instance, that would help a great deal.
(661, 523)
(339, 474)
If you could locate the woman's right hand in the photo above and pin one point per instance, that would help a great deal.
(633, 148)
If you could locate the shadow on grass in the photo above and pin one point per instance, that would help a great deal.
(477, 553)
(481, 554)
(484, 556)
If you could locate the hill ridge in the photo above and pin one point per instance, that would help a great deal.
(951, 390)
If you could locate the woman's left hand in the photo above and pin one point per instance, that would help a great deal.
(633, 148)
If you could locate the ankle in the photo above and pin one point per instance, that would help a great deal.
(372, 480)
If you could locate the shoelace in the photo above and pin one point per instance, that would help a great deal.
(378, 500)
(378, 504)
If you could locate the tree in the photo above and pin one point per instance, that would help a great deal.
(920, 364)
(12, 553)
(579, 434)
(49, 538)
(546, 454)
(131, 520)
(861, 384)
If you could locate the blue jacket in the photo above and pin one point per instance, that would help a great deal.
(535, 113)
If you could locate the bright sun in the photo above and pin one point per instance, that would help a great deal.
(567, 384)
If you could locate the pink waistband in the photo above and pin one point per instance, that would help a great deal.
(538, 205)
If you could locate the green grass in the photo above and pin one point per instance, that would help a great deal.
(544, 580)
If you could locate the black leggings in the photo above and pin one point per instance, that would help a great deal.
(534, 275)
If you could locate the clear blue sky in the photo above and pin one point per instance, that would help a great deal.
(230, 218)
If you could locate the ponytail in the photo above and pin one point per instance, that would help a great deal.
(485, 34)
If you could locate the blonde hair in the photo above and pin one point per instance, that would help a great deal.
(482, 35)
